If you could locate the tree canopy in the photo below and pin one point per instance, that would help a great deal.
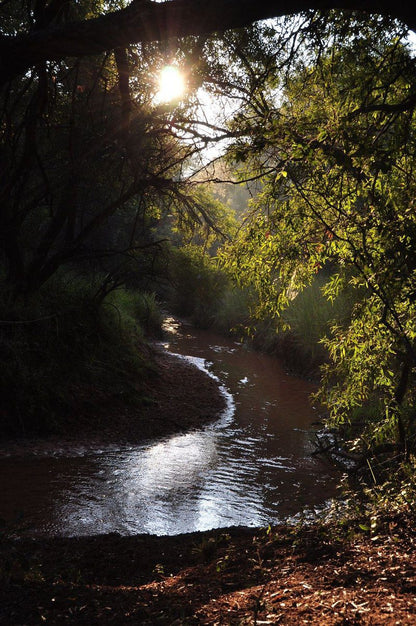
(54, 33)
(333, 144)
(320, 119)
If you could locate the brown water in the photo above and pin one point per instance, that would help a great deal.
(252, 467)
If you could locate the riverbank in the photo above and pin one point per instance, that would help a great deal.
(176, 397)
(334, 574)
(287, 575)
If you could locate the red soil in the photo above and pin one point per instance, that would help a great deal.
(312, 575)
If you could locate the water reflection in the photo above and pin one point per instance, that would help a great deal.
(252, 467)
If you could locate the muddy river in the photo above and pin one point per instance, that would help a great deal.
(252, 467)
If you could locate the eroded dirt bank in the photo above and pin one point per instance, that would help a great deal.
(177, 397)
(181, 397)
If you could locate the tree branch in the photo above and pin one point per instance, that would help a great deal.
(145, 20)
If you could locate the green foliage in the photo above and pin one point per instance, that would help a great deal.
(338, 187)
(140, 310)
(61, 353)
(310, 316)
(366, 506)
(207, 222)
(198, 284)
(232, 315)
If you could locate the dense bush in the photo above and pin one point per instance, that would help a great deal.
(197, 285)
(61, 351)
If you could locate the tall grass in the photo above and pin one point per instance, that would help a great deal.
(61, 352)
(309, 318)
(139, 309)
(204, 293)
(232, 315)
(197, 285)
(311, 314)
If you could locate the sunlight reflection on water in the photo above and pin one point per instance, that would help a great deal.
(251, 467)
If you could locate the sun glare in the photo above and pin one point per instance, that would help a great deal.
(171, 84)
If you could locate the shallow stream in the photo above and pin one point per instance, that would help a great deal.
(252, 467)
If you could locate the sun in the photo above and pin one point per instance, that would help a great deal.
(171, 84)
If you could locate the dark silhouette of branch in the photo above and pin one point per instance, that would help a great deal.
(145, 20)
(409, 104)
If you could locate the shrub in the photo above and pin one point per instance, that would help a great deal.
(60, 353)
(197, 285)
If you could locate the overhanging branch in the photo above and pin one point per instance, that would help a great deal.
(145, 20)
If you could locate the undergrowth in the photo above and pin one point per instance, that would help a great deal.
(308, 318)
(202, 291)
(61, 352)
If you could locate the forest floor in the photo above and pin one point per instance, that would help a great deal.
(321, 574)
(309, 575)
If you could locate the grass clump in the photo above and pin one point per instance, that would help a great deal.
(309, 318)
(197, 285)
(310, 315)
(233, 311)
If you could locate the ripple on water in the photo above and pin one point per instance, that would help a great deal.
(251, 467)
